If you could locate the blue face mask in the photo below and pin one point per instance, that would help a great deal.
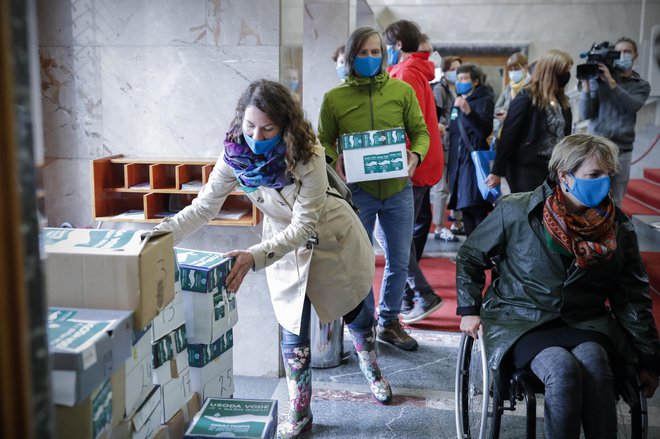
(341, 72)
(451, 76)
(625, 62)
(293, 84)
(262, 146)
(463, 88)
(392, 55)
(516, 76)
(367, 66)
(590, 191)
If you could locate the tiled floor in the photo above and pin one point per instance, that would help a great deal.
(423, 385)
(422, 382)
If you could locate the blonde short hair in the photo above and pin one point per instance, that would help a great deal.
(573, 150)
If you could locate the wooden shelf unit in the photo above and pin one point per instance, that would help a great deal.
(141, 190)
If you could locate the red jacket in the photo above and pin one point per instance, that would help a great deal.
(418, 71)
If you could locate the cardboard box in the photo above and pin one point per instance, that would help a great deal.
(201, 271)
(139, 372)
(86, 346)
(163, 433)
(375, 155)
(110, 269)
(169, 355)
(202, 354)
(177, 426)
(169, 319)
(175, 394)
(146, 420)
(97, 415)
(177, 276)
(216, 378)
(209, 310)
(236, 418)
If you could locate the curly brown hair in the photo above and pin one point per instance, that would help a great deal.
(279, 105)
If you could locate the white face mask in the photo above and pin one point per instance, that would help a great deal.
(516, 76)
(436, 59)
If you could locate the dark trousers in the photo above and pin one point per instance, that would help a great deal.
(422, 220)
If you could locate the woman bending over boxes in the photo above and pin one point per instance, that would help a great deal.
(314, 248)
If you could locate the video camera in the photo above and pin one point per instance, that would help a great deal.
(599, 53)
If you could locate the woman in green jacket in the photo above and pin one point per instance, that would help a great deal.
(370, 100)
(571, 299)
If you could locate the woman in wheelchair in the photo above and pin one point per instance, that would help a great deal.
(570, 298)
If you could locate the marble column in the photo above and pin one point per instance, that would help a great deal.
(327, 24)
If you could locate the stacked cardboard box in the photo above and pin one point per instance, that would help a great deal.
(210, 313)
(88, 348)
(171, 345)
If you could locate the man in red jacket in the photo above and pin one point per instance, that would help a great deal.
(407, 64)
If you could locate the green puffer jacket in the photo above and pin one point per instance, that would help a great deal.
(534, 287)
(376, 103)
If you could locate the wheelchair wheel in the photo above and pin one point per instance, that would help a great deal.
(474, 404)
(631, 411)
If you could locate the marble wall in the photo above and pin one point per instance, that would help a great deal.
(160, 78)
(155, 79)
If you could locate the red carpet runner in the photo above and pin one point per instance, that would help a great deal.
(441, 274)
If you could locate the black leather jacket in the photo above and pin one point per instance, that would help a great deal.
(534, 286)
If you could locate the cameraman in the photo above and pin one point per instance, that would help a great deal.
(611, 102)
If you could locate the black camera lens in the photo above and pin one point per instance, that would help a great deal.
(587, 71)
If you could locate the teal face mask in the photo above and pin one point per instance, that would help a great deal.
(367, 66)
(392, 55)
(590, 191)
(463, 88)
(262, 146)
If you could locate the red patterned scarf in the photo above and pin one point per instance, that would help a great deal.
(590, 236)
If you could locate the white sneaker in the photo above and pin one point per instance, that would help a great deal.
(445, 235)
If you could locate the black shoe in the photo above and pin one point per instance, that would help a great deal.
(393, 333)
(424, 307)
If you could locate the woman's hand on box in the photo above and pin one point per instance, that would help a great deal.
(243, 262)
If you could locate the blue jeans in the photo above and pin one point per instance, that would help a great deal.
(363, 323)
(579, 388)
(395, 216)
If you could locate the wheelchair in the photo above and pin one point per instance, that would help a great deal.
(479, 408)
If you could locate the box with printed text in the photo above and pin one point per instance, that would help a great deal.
(86, 347)
(236, 418)
(209, 309)
(96, 416)
(374, 155)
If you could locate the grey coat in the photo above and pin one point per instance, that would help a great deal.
(534, 287)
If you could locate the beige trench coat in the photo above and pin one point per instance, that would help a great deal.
(336, 274)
